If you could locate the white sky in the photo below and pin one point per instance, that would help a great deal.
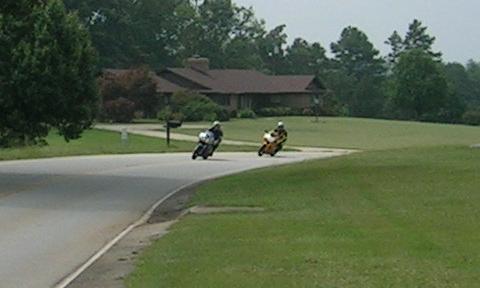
(455, 23)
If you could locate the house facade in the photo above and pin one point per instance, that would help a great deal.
(240, 89)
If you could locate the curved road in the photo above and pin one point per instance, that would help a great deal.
(56, 213)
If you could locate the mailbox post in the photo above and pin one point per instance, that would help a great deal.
(171, 124)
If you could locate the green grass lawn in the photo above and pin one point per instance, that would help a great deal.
(365, 134)
(398, 218)
(94, 142)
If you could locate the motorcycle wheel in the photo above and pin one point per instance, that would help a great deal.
(275, 152)
(261, 151)
(196, 152)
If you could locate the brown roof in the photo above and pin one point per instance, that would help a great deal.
(166, 86)
(230, 81)
(234, 81)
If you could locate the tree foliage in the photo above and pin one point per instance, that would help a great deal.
(304, 58)
(396, 43)
(361, 72)
(47, 73)
(136, 85)
(418, 38)
(421, 87)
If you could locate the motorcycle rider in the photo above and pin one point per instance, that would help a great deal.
(281, 134)
(217, 132)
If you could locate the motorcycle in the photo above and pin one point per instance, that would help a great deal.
(205, 146)
(270, 144)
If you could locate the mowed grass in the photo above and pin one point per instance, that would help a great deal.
(364, 134)
(95, 142)
(397, 218)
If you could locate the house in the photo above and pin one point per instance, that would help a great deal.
(240, 89)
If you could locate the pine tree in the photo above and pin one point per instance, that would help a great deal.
(418, 38)
(396, 43)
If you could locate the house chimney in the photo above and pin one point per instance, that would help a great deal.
(199, 64)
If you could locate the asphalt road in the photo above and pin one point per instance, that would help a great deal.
(56, 213)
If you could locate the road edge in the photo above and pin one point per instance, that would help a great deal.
(67, 280)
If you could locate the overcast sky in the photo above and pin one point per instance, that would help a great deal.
(455, 23)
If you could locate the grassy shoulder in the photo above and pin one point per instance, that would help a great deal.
(96, 142)
(398, 218)
(365, 134)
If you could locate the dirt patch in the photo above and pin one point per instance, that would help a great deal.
(174, 206)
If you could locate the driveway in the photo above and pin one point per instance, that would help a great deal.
(57, 213)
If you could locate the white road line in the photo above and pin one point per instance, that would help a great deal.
(75, 274)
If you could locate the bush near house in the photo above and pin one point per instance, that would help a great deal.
(120, 110)
(192, 106)
(285, 111)
(246, 114)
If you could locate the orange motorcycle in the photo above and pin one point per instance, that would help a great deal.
(270, 144)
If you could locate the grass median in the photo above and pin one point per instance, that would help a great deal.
(96, 142)
(398, 218)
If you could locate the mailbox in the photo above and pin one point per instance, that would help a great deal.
(174, 124)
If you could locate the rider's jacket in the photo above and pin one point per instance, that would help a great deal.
(281, 133)
(217, 132)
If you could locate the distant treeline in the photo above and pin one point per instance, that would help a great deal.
(411, 82)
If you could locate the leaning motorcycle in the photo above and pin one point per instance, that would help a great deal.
(205, 146)
(270, 144)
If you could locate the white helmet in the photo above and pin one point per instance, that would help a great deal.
(280, 124)
(216, 123)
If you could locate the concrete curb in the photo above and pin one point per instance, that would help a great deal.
(75, 274)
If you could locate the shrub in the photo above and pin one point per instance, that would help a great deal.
(197, 107)
(472, 117)
(246, 114)
(275, 111)
(167, 113)
(200, 110)
(223, 114)
(120, 110)
(136, 85)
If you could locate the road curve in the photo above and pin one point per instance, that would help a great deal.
(56, 213)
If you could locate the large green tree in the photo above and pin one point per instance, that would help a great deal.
(128, 33)
(473, 71)
(272, 50)
(363, 68)
(418, 38)
(47, 76)
(396, 43)
(303, 57)
(421, 90)
(460, 82)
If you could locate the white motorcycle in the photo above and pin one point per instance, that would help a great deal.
(205, 146)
